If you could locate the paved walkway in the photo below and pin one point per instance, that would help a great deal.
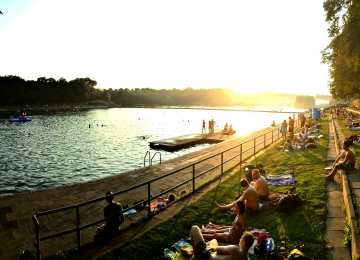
(346, 195)
(17, 229)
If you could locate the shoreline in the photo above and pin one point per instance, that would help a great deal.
(6, 112)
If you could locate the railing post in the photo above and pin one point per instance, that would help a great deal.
(78, 226)
(254, 145)
(193, 170)
(264, 140)
(222, 163)
(37, 237)
(240, 158)
(149, 195)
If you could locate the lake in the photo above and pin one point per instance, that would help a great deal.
(72, 147)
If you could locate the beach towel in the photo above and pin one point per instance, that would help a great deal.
(157, 204)
(281, 180)
(174, 253)
(131, 211)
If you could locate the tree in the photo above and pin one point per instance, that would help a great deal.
(343, 52)
(304, 102)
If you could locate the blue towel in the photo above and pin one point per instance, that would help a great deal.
(131, 211)
(285, 179)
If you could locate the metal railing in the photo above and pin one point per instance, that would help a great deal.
(275, 135)
(150, 160)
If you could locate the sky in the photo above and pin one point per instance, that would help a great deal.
(248, 46)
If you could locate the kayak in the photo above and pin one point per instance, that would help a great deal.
(20, 119)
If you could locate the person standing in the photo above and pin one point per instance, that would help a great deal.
(212, 125)
(209, 126)
(291, 128)
(203, 130)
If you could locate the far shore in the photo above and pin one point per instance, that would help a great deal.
(5, 112)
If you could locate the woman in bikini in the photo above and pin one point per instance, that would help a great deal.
(228, 234)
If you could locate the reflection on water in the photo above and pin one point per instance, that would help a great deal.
(72, 147)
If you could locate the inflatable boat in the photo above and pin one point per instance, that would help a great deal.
(19, 119)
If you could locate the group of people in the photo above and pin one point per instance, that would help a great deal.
(210, 126)
(238, 233)
(228, 128)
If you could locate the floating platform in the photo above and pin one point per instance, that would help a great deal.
(185, 141)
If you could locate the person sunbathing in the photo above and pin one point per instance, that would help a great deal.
(228, 234)
(161, 202)
(287, 146)
(212, 251)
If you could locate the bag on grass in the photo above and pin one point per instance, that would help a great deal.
(296, 254)
(287, 202)
(310, 146)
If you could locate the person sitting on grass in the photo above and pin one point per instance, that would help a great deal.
(260, 184)
(250, 197)
(212, 251)
(287, 146)
(228, 234)
(347, 163)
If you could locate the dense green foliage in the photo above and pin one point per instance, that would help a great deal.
(16, 91)
(304, 102)
(343, 52)
(305, 224)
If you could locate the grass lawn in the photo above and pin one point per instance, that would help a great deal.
(305, 224)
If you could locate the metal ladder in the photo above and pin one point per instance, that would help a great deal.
(150, 160)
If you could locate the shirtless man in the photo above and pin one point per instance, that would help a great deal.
(250, 197)
(213, 252)
(260, 184)
(348, 162)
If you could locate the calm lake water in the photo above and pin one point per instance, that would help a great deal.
(61, 149)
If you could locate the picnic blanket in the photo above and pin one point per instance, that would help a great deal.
(285, 179)
(174, 253)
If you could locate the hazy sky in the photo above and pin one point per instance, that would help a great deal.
(249, 46)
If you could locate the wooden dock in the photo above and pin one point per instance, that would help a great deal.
(185, 141)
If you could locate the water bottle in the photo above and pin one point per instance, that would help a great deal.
(268, 245)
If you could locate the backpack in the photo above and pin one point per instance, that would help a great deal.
(298, 255)
(287, 202)
(310, 145)
(260, 249)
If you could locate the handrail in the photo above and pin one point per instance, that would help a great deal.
(78, 227)
(154, 156)
(147, 152)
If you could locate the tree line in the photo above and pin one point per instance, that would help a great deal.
(343, 52)
(17, 91)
